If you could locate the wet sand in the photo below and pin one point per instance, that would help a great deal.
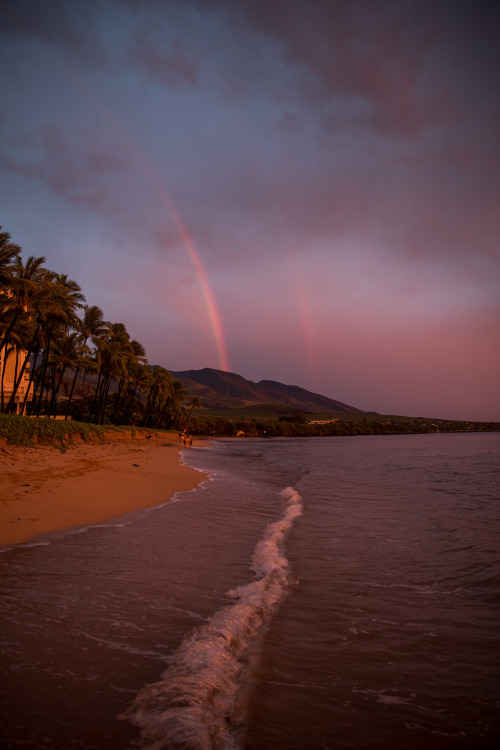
(43, 490)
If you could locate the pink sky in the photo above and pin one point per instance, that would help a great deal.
(295, 190)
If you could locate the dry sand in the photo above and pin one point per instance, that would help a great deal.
(42, 489)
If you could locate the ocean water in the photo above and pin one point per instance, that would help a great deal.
(314, 593)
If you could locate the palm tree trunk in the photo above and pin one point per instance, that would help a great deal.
(154, 405)
(119, 398)
(9, 329)
(127, 404)
(147, 409)
(53, 403)
(10, 405)
(16, 366)
(38, 381)
(167, 410)
(187, 419)
(52, 376)
(44, 370)
(104, 402)
(95, 401)
(4, 366)
(106, 396)
(32, 376)
(34, 349)
(99, 397)
(49, 404)
(71, 393)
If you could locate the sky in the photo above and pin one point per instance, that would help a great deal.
(305, 191)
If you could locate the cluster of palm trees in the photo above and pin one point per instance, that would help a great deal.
(79, 362)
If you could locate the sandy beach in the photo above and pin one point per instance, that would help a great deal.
(43, 490)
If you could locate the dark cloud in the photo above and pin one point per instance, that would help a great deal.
(70, 26)
(74, 169)
(166, 61)
(392, 66)
(355, 53)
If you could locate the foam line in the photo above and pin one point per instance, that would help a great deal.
(192, 706)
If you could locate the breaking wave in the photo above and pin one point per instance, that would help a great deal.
(194, 705)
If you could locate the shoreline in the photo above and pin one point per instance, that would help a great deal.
(43, 490)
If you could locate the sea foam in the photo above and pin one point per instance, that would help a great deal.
(193, 705)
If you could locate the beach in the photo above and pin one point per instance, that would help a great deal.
(315, 593)
(43, 489)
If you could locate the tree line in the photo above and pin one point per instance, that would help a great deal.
(81, 365)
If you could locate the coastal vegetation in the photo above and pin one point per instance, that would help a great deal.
(18, 430)
(68, 361)
(70, 364)
(301, 425)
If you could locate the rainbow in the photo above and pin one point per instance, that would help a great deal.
(306, 322)
(208, 297)
(206, 290)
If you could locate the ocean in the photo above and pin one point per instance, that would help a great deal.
(315, 593)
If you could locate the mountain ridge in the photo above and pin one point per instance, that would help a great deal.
(218, 389)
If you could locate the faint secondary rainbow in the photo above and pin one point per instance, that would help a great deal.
(212, 310)
(307, 326)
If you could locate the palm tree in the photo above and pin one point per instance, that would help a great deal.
(195, 403)
(178, 395)
(135, 358)
(161, 381)
(22, 286)
(70, 297)
(62, 299)
(9, 256)
(139, 380)
(19, 339)
(25, 292)
(112, 354)
(38, 319)
(67, 353)
(164, 400)
(92, 325)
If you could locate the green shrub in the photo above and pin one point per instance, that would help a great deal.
(31, 431)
